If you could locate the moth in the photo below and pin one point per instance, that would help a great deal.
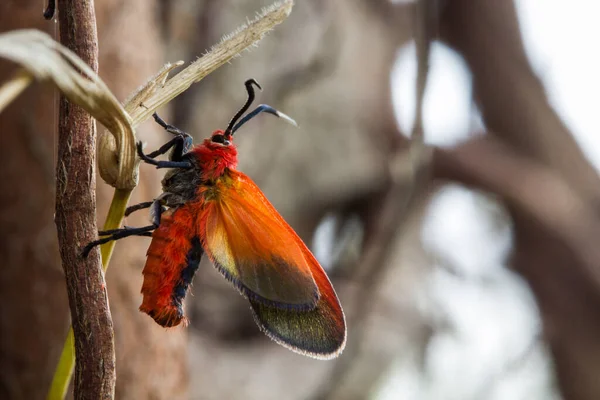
(210, 208)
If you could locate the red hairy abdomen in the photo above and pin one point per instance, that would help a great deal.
(168, 257)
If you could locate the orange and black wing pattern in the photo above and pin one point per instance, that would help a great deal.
(250, 243)
(319, 333)
(173, 258)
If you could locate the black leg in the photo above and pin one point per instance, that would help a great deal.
(168, 127)
(121, 233)
(110, 232)
(156, 209)
(162, 164)
(116, 234)
(182, 145)
(166, 147)
(131, 209)
(174, 164)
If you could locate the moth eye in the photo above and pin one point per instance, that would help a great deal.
(220, 139)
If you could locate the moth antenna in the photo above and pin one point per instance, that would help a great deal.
(251, 96)
(264, 108)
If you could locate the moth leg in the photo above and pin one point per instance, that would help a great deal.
(182, 142)
(136, 207)
(168, 127)
(162, 164)
(165, 147)
(156, 210)
(116, 234)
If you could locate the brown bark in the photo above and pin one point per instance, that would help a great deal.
(76, 219)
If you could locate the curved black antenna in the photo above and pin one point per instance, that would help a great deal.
(250, 90)
(263, 108)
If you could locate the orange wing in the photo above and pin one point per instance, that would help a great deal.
(318, 333)
(250, 243)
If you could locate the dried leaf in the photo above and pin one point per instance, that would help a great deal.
(48, 60)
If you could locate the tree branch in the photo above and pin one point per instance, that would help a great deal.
(511, 97)
(76, 219)
(531, 161)
(555, 249)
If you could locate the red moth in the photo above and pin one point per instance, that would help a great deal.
(207, 206)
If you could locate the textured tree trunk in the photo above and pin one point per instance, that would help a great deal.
(75, 219)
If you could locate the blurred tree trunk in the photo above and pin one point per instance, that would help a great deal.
(32, 286)
(531, 161)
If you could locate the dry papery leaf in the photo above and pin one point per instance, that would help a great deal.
(44, 59)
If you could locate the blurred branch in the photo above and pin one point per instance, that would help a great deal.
(552, 192)
(76, 220)
(511, 98)
(423, 27)
(555, 248)
(489, 164)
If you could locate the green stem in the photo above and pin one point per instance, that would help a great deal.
(66, 364)
(64, 370)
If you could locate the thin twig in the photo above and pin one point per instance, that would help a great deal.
(76, 219)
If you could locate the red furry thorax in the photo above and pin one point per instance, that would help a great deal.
(215, 158)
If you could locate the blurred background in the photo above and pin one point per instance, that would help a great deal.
(477, 278)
